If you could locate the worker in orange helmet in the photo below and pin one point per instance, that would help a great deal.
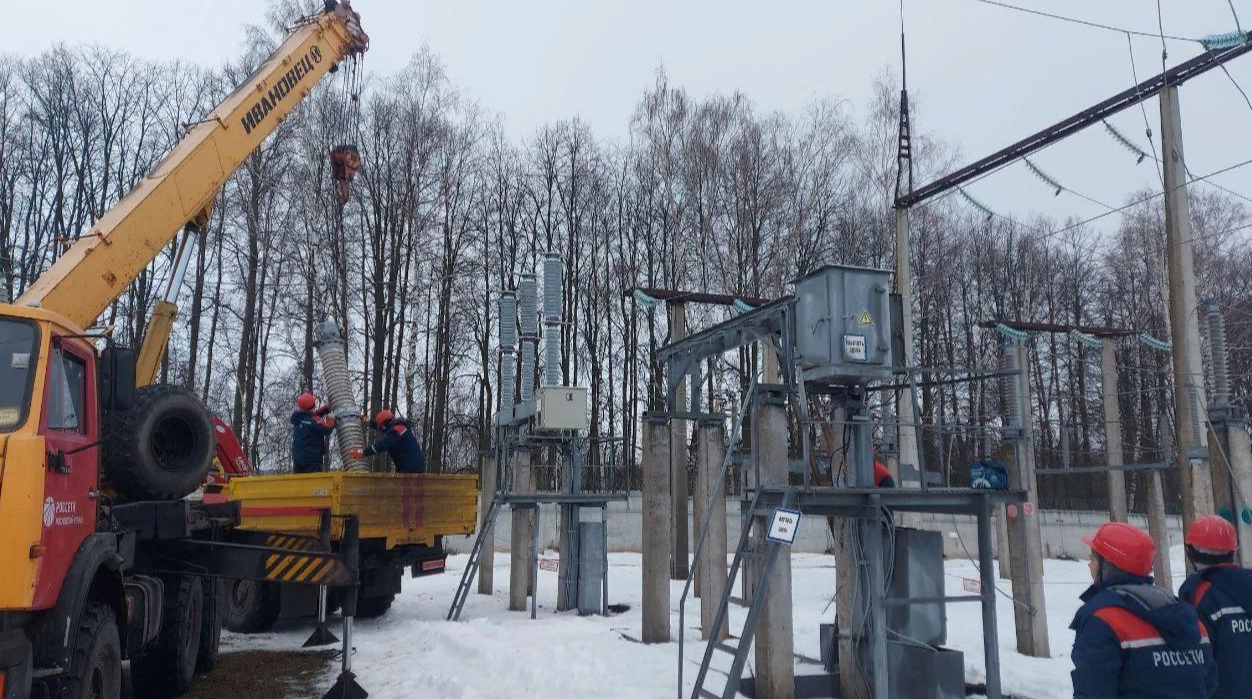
(398, 441)
(1221, 593)
(310, 428)
(882, 476)
(1132, 639)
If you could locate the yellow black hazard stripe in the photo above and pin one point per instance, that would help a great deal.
(298, 562)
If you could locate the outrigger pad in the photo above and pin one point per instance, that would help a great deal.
(346, 688)
(321, 636)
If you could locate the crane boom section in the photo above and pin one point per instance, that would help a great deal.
(181, 188)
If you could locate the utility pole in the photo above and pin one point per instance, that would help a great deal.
(904, 287)
(680, 557)
(1193, 465)
(1119, 511)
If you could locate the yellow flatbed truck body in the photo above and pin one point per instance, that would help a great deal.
(402, 509)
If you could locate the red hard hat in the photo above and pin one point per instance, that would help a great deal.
(306, 401)
(1126, 546)
(1213, 533)
(383, 417)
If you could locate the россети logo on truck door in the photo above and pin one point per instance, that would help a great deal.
(60, 513)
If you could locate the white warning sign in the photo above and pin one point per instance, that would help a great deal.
(855, 349)
(783, 526)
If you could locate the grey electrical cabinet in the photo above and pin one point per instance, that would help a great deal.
(842, 324)
(562, 408)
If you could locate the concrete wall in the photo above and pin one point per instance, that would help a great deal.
(1062, 530)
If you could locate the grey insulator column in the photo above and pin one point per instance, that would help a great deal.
(528, 320)
(508, 348)
(333, 353)
(553, 287)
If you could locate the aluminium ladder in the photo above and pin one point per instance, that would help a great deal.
(486, 536)
(739, 649)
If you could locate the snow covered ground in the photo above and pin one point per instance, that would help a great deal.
(412, 653)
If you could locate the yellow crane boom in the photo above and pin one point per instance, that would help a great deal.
(180, 190)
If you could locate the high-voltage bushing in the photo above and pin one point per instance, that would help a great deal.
(553, 287)
(1220, 359)
(528, 305)
(528, 371)
(508, 320)
(508, 347)
(528, 322)
(333, 353)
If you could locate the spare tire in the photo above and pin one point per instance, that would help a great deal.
(160, 449)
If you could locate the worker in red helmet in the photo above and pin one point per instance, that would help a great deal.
(310, 429)
(1221, 593)
(1132, 639)
(398, 441)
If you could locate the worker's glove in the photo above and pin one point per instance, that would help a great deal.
(321, 409)
(329, 421)
(357, 453)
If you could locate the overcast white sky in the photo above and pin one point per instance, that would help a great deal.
(986, 76)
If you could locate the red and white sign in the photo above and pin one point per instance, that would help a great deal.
(972, 585)
(551, 564)
(1028, 508)
(1012, 511)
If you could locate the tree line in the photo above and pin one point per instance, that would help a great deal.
(709, 194)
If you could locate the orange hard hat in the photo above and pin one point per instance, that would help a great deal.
(1213, 533)
(1124, 545)
(383, 417)
(306, 401)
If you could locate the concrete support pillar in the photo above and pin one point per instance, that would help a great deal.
(679, 487)
(487, 558)
(1119, 511)
(1159, 530)
(1003, 559)
(711, 567)
(1239, 449)
(521, 540)
(1025, 537)
(775, 659)
(657, 511)
(848, 611)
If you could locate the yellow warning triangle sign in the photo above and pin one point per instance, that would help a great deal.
(866, 319)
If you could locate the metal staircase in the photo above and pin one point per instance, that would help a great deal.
(486, 536)
(739, 649)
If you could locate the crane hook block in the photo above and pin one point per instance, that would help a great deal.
(345, 161)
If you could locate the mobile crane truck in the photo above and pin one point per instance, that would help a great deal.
(103, 558)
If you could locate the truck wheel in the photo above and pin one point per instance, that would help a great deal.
(374, 607)
(160, 449)
(96, 666)
(211, 627)
(251, 606)
(165, 669)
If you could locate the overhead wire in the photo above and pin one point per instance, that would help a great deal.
(1084, 22)
(1147, 124)
(1236, 14)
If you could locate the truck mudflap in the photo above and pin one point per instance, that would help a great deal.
(16, 662)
